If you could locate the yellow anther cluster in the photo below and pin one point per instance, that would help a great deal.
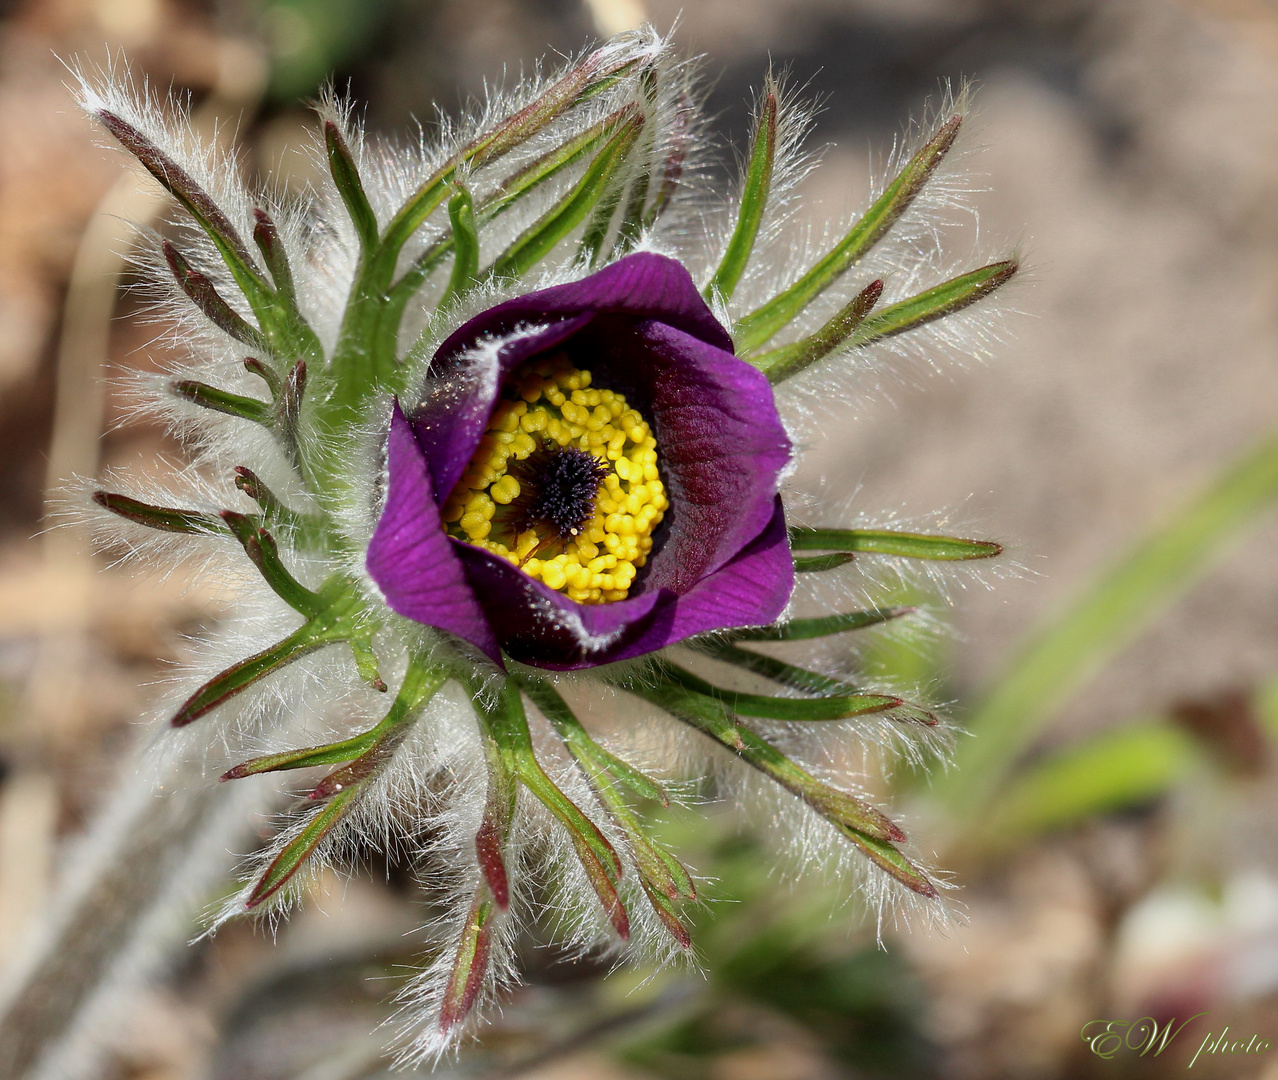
(550, 402)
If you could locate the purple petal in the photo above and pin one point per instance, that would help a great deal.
(542, 627)
(720, 443)
(410, 557)
(458, 402)
(644, 286)
(751, 590)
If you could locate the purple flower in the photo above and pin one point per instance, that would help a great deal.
(719, 557)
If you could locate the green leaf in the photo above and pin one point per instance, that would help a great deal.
(591, 76)
(341, 618)
(345, 173)
(935, 303)
(511, 190)
(1078, 642)
(1115, 770)
(506, 725)
(807, 629)
(290, 860)
(542, 237)
(891, 542)
(890, 860)
(266, 373)
(288, 411)
(815, 564)
(779, 364)
(769, 667)
(223, 401)
(208, 215)
(201, 291)
(267, 238)
(240, 676)
(759, 326)
(590, 249)
(164, 518)
(754, 200)
(461, 216)
(261, 548)
(833, 707)
(677, 139)
(470, 965)
(583, 746)
(713, 718)
(274, 512)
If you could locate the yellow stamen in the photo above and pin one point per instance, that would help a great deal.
(550, 400)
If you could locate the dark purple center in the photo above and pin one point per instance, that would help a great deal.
(557, 490)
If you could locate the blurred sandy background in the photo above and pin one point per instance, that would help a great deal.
(1132, 145)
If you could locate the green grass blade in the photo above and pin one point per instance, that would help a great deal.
(1075, 645)
(1112, 771)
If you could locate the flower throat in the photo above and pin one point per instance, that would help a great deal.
(564, 483)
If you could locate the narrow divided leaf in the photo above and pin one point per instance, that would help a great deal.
(815, 564)
(677, 139)
(759, 326)
(290, 860)
(583, 747)
(807, 629)
(470, 966)
(662, 876)
(780, 364)
(288, 409)
(889, 542)
(182, 186)
(274, 512)
(266, 373)
(571, 210)
(713, 718)
(244, 674)
(267, 238)
(461, 216)
(499, 806)
(261, 548)
(592, 75)
(935, 303)
(753, 203)
(840, 706)
(891, 861)
(345, 173)
(511, 191)
(204, 295)
(164, 518)
(769, 667)
(223, 401)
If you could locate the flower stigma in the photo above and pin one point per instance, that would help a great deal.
(564, 483)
